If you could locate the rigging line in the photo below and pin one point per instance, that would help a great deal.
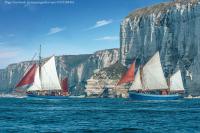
(31, 62)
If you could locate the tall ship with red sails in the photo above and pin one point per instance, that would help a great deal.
(41, 81)
(149, 83)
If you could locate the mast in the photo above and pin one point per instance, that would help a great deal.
(168, 81)
(40, 63)
(141, 78)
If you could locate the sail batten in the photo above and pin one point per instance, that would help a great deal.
(176, 83)
(152, 76)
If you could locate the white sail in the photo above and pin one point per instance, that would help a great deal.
(176, 83)
(137, 84)
(152, 76)
(49, 77)
(36, 84)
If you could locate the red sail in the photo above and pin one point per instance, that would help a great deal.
(128, 76)
(28, 78)
(65, 86)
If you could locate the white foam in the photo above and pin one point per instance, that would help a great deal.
(11, 96)
(192, 97)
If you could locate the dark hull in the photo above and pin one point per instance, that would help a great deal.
(142, 96)
(47, 97)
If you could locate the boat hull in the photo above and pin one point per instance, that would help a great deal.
(142, 96)
(46, 97)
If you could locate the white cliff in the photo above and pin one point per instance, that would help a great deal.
(77, 67)
(100, 59)
(173, 29)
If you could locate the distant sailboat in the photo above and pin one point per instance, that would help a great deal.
(150, 83)
(42, 81)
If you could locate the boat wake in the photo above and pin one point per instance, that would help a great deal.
(81, 96)
(192, 97)
(11, 96)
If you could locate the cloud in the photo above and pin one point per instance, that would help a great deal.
(7, 57)
(8, 54)
(108, 38)
(55, 30)
(101, 23)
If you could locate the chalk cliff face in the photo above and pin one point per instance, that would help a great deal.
(94, 63)
(171, 28)
(77, 67)
(11, 75)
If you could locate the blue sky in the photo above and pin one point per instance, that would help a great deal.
(81, 27)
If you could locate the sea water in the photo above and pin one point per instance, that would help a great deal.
(98, 115)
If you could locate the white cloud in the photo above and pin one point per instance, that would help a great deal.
(8, 57)
(8, 54)
(101, 23)
(54, 30)
(108, 38)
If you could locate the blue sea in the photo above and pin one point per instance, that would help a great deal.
(98, 115)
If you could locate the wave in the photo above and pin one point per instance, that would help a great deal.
(192, 97)
(81, 96)
(11, 96)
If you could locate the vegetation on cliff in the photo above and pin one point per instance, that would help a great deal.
(113, 72)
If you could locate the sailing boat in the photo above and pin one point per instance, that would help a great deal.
(42, 81)
(150, 83)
